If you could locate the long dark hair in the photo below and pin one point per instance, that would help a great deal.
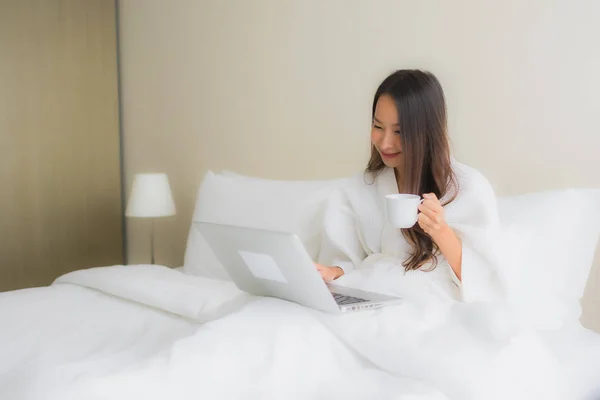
(427, 165)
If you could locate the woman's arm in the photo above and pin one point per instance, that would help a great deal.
(433, 222)
(466, 233)
(451, 248)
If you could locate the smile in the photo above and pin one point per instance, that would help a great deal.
(389, 155)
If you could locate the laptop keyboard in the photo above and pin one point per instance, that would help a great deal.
(343, 300)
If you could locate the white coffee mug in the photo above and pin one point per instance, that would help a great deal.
(402, 209)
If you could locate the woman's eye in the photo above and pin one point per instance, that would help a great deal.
(397, 132)
(377, 127)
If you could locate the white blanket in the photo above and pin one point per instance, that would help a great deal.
(76, 332)
(251, 348)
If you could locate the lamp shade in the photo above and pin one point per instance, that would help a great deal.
(150, 197)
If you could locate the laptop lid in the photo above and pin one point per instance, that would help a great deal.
(268, 263)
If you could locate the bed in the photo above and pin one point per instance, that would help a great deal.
(148, 331)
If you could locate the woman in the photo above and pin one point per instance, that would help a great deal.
(448, 250)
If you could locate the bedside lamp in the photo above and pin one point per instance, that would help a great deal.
(150, 198)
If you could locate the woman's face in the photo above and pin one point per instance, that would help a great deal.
(384, 132)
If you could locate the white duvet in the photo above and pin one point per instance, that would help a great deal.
(187, 337)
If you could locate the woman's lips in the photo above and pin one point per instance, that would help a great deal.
(389, 155)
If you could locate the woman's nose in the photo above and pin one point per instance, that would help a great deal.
(389, 140)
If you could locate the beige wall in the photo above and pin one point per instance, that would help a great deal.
(60, 172)
(282, 89)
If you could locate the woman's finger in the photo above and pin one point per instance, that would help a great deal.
(436, 217)
(430, 196)
(428, 225)
(432, 204)
(425, 222)
(427, 211)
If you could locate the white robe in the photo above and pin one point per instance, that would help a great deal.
(357, 238)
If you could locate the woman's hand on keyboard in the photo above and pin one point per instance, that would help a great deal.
(329, 273)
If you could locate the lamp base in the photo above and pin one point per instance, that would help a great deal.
(152, 242)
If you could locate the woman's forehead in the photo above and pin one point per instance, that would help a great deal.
(386, 111)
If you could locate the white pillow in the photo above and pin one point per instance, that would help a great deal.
(197, 298)
(549, 240)
(290, 206)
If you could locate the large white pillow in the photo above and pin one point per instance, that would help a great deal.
(548, 243)
(289, 206)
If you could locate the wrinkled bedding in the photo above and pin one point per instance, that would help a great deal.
(151, 332)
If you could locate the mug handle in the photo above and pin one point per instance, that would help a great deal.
(417, 216)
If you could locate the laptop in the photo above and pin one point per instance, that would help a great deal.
(276, 264)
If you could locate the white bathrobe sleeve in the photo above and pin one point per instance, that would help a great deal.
(341, 245)
(473, 216)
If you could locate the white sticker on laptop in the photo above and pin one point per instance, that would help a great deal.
(262, 266)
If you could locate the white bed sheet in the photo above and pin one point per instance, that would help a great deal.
(71, 341)
(77, 331)
(578, 352)
(58, 342)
